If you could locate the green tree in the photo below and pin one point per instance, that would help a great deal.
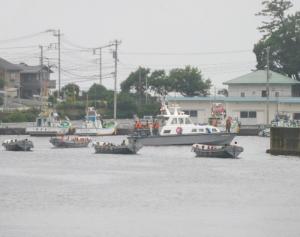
(71, 92)
(159, 83)
(282, 35)
(97, 92)
(223, 91)
(275, 11)
(136, 81)
(189, 82)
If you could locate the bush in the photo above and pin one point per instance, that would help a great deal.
(19, 116)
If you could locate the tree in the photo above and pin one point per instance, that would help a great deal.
(283, 38)
(71, 92)
(159, 83)
(223, 91)
(189, 82)
(97, 92)
(136, 81)
(275, 10)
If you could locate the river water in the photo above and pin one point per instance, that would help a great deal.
(162, 191)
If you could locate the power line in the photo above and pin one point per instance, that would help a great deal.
(22, 37)
(185, 53)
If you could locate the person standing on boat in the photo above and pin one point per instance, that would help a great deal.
(228, 124)
(155, 127)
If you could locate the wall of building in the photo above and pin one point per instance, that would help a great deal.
(203, 109)
(256, 90)
(234, 109)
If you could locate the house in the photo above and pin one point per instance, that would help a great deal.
(247, 99)
(10, 74)
(35, 81)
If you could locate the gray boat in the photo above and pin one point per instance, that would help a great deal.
(227, 151)
(18, 145)
(131, 147)
(174, 127)
(185, 139)
(70, 142)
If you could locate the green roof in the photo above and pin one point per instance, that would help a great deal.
(260, 77)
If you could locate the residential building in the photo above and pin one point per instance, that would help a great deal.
(247, 99)
(35, 81)
(10, 73)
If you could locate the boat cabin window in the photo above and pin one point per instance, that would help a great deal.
(181, 120)
(167, 131)
(174, 121)
(188, 121)
(201, 130)
(194, 130)
(39, 122)
(214, 130)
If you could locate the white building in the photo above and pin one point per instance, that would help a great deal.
(247, 99)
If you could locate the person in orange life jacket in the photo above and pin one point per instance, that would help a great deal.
(228, 124)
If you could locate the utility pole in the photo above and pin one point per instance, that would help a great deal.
(100, 59)
(115, 56)
(100, 63)
(42, 53)
(268, 84)
(59, 72)
(140, 85)
(41, 72)
(146, 89)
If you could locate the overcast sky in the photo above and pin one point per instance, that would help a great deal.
(215, 36)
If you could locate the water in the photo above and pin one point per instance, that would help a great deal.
(162, 191)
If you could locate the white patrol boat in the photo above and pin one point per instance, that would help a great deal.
(48, 123)
(174, 127)
(179, 123)
(95, 126)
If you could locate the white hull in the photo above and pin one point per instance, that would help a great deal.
(95, 131)
(46, 131)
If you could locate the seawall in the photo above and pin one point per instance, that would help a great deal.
(285, 141)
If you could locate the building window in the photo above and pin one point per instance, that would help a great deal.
(264, 93)
(248, 114)
(242, 94)
(244, 114)
(252, 114)
(296, 116)
(192, 113)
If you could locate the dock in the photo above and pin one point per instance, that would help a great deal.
(285, 141)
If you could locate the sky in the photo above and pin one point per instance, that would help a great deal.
(216, 36)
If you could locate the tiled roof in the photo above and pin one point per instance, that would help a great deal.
(260, 77)
(33, 69)
(8, 66)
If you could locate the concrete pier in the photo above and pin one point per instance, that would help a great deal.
(285, 141)
(12, 131)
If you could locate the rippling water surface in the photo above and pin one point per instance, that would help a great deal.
(162, 191)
